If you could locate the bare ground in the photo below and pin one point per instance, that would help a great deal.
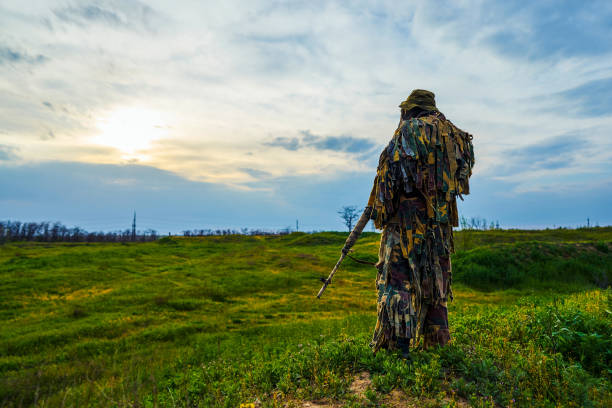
(396, 399)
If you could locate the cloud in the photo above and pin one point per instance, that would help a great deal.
(529, 32)
(593, 98)
(162, 199)
(342, 143)
(283, 53)
(235, 81)
(550, 154)
(288, 143)
(552, 29)
(48, 135)
(308, 140)
(562, 163)
(255, 173)
(81, 14)
(9, 55)
(8, 153)
(130, 14)
(103, 197)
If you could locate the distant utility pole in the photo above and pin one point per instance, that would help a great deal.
(297, 225)
(134, 227)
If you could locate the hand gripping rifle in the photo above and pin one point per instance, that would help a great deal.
(350, 241)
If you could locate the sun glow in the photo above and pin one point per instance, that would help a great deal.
(130, 130)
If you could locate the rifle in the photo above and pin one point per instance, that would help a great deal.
(348, 244)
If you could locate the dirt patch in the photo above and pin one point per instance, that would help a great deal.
(360, 384)
(319, 404)
(308, 404)
(395, 399)
(399, 399)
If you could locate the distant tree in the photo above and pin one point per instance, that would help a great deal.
(349, 215)
(45, 228)
(55, 231)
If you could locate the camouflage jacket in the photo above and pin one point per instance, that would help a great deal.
(423, 169)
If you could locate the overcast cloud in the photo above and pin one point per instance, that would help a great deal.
(280, 99)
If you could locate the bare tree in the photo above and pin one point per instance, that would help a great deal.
(349, 215)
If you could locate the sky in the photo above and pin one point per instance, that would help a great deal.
(235, 114)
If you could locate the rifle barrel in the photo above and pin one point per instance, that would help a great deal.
(350, 241)
(331, 275)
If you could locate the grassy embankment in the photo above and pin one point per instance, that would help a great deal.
(225, 320)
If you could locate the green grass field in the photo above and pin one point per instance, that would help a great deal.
(220, 321)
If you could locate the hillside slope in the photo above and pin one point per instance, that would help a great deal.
(219, 321)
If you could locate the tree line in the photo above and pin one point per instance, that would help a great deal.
(477, 223)
(241, 231)
(57, 232)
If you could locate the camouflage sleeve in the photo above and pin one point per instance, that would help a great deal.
(465, 161)
(381, 196)
(397, 171)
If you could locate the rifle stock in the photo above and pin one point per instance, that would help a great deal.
(348, 244)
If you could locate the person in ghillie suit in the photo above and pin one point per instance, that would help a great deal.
(425, 166)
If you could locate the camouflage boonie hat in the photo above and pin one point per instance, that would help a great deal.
(420, 98)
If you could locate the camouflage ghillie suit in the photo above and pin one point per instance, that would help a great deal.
(420, 173)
